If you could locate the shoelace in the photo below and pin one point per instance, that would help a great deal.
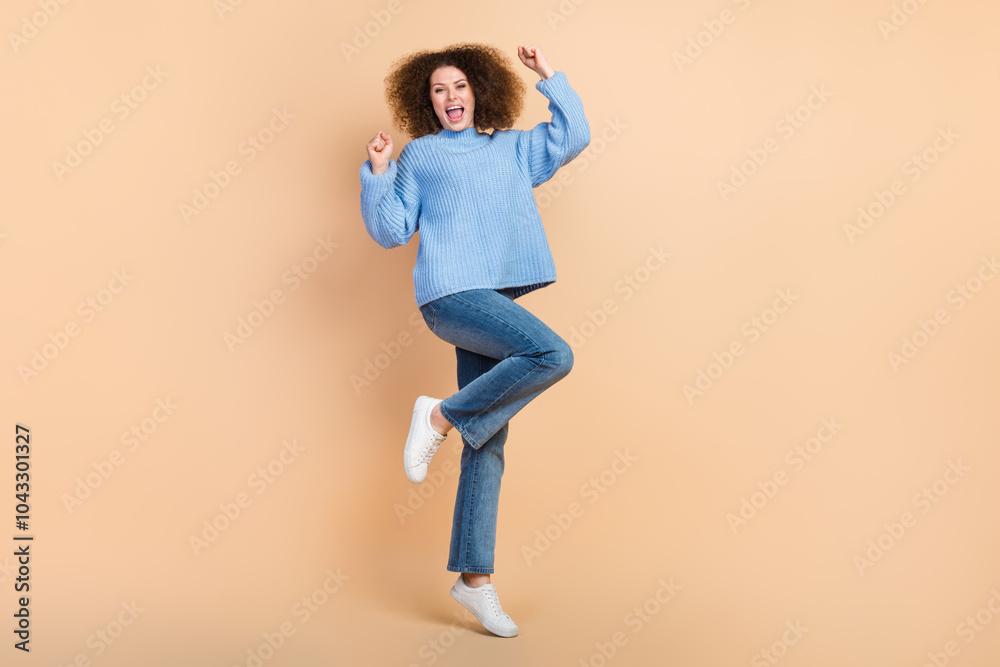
(432, 447)
(494, 601)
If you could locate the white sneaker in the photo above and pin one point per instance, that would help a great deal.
(422, 441)
(485, 606)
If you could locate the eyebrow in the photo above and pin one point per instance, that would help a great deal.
(441, 83)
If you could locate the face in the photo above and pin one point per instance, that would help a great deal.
(450, 90)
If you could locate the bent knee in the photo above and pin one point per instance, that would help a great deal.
(559, 359)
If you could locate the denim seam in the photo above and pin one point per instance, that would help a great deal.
(432, 317)
(467, 519)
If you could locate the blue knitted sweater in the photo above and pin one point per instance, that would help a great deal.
(469, 194)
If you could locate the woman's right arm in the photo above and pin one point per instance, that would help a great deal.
(390, 198)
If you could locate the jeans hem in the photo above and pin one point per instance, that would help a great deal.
(470, 569)
(459, 427)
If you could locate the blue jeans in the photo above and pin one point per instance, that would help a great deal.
(506, 357)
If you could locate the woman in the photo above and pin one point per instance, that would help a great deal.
(482, 245)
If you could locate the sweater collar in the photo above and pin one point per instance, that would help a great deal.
(468, 136)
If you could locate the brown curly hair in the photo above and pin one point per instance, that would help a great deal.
(498, 90)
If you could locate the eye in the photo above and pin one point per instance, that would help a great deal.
(461, 85)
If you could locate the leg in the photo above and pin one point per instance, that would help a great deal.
(531, 357)
(474, 524)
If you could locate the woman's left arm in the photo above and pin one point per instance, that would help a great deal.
(550, 145)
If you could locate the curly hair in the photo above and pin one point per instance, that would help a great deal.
(498, 90)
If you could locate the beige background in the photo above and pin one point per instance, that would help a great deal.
(334, 505)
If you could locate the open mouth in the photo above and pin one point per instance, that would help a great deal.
(455, 112)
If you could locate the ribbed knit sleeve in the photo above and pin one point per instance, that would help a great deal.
(390, 203)
(550, 145)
